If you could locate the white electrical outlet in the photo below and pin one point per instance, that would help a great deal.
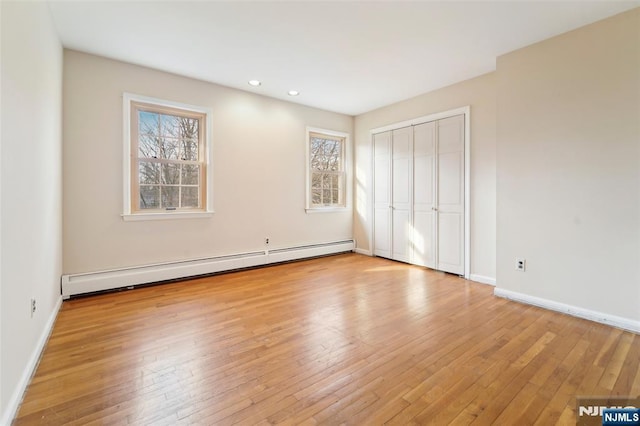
(521, 264)
(33, 307)
(266, 241)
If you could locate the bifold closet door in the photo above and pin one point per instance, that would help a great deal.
(401, 188)
(450, 194)
(382, 194)
(419, 194)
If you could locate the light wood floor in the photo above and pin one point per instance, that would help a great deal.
(346, 338)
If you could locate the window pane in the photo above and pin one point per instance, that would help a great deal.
(189, 149)
(170, 196)
(148, 146)
(326, 181)
(188, 128)
(168, 148)
(316, 180)
(326, 196)
(170, 126)
(149, 172)
(170, 174)
(190, 196)
(190, 174)
(335, 181)
(316, 196)
(148, 123)
(335, 196)
(149, 197)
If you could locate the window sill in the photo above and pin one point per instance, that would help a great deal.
(326, 209)
(166, 216)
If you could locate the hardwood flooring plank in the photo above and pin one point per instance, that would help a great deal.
(612, 371)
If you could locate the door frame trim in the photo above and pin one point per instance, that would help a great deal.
(466, 111)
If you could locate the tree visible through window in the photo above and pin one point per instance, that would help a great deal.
(327, 170)
(169, 159)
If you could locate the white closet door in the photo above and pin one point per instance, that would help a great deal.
(424, 215)
(450, 195)
(382, 194)
(401, 193)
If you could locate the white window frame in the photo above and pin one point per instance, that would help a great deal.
(346, 161)
(129, 214)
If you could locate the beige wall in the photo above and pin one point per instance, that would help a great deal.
(31, 176)
(259, 171)
(568, 167)
(479, 93)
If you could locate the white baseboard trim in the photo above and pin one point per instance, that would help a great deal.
(74, 284)
(612, 320)
(482, 279)
(363, 251)
(27, 373)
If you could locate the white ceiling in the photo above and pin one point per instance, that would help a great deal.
(348, 57)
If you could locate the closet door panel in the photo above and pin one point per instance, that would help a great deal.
(450, 195)
(381, 194)
(423, 237)
(401, 187)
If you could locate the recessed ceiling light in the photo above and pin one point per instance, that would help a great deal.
(255, 83)
(293, 93)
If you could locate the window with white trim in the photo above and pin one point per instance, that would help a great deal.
(326, 169)
(168, 151)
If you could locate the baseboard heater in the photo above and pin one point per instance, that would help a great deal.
(91, 282)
